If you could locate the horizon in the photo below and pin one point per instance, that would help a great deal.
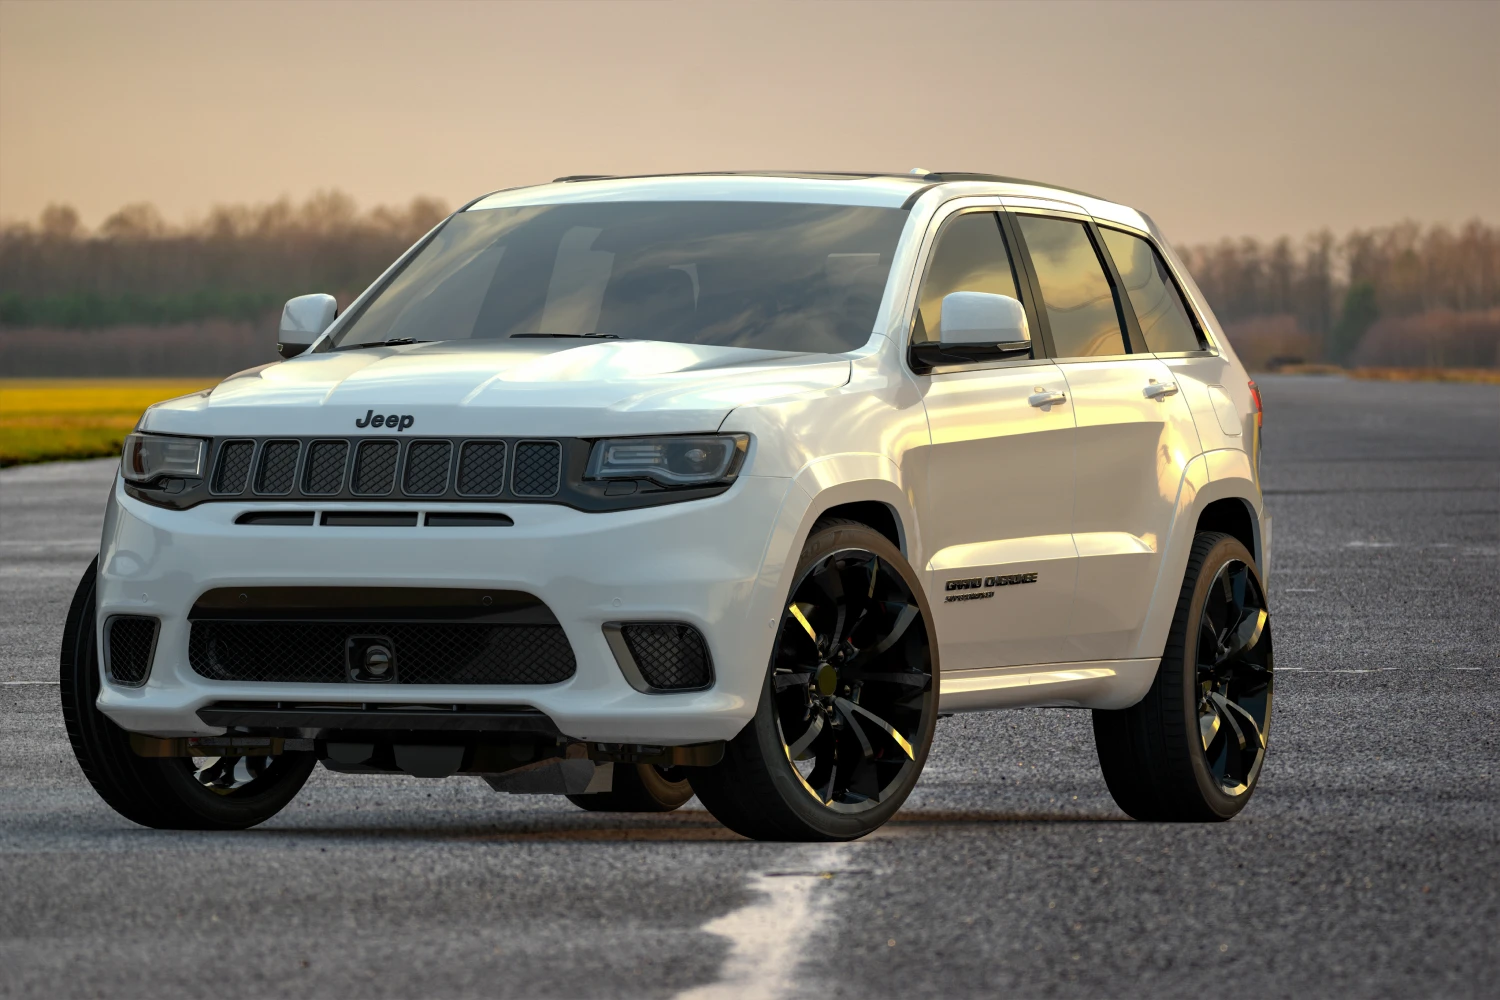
(1237, 120)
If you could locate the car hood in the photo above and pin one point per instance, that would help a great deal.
(558, 388)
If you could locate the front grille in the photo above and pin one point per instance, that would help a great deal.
(278, 467)
(481, 469)
(324, 475)
(375, 468)
(538, 468)
(427, 468)
(670, 656)
(315, 652)
(233, 469)
(445, 469)
(129, 642)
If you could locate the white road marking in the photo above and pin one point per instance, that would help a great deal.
(19, 683)
(768, 935)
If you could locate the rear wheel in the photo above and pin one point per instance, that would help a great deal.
(174, 793)
(639, 788)
(848, 707)
(1193, 748)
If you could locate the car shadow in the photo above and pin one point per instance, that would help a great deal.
(682, 826)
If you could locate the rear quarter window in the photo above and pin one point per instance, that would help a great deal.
(1164, 318)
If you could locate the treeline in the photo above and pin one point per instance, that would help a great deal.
(239, 262)
(1370, 297)
(1324, 295)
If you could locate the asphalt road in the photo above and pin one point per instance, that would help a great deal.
(1367, 865)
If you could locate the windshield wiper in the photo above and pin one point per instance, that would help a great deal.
(393, 342)
(591, 336)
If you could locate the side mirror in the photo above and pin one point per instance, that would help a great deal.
(303, 321)
(976, 327)
(983, 320)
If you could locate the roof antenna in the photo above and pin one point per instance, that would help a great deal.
(919, 171)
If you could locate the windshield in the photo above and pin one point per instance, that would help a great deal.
(768, 275)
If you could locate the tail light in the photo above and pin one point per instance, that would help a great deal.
(1259, 409)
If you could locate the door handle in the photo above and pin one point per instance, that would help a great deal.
(1160, 390)
(1042, 397)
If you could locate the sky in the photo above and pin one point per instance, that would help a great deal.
(1218, 119)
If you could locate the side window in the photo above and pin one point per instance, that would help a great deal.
(1079, 301)
(1163, 316)
(970, 257)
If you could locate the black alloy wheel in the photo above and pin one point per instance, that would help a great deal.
(849, 705)
(172, 793)
(1234, 677)
(1193, 748)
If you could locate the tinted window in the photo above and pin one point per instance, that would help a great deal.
(766, 275)
(1159, 308)
(970, 257)
(1080, 304)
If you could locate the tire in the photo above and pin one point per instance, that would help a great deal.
(639, 788)
(169, 793)
(840, 734)
(1193, 748)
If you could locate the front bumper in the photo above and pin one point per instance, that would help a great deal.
(715, 563)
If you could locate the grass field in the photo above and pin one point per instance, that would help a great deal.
(42, 420)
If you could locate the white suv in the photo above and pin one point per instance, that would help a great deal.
(728, 484)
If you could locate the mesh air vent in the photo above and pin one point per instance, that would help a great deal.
(670, 656)
(425, 652)
(129, 641)
(481, 468)
(278, 467)
(538, 469)
(324, 474)
(374, 468)
(427, 468)
(233, 470)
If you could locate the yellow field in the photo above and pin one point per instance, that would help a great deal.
(46, 419)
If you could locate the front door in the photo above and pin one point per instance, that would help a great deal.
(994, 489)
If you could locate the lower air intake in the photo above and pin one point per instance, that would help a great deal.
(670, 656)
(318, 652)
(129, 642)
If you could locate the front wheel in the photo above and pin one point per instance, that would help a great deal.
(848, 706)
(1193, 748)
(171, 793)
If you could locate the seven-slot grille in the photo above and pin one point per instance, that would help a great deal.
(388, 468)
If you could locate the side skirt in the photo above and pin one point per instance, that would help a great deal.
(1087, 684)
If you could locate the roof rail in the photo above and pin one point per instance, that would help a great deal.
(570, 178)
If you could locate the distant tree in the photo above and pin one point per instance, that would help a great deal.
(1359, 314)
(60, 222)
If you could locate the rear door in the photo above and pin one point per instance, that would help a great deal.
(1174, 335)
(1135, 434)
(994, 488)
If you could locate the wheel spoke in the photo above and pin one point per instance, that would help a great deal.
(850, 706)
(1208, 727)
(905, 679)
(780, 682)
(1248, 632)
(796, 750)
(801, 617)
(1230, 710)
(845, 709)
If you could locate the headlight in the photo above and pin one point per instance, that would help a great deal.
(148, 456)
(669, 461)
